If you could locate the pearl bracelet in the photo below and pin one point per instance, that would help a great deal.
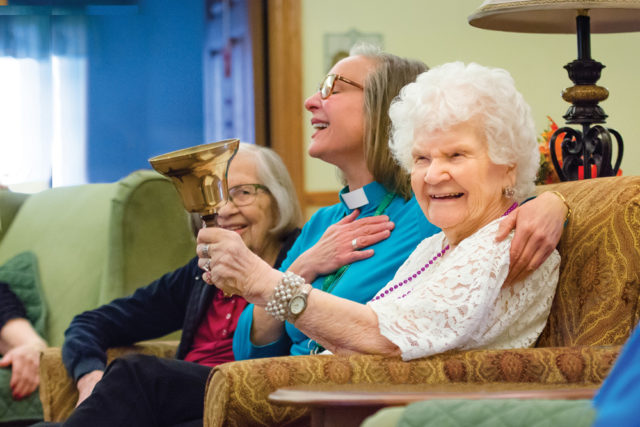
(288, 287)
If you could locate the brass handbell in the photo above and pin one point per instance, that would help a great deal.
(200, 175)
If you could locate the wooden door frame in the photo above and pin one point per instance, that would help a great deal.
(286, 114)
(285, 87)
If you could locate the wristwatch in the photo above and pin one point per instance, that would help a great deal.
(298, 302)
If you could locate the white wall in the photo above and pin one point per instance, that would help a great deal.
(437, 31)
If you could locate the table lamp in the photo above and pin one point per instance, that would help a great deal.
(589, 149)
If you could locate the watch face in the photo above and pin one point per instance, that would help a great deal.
(297, 305)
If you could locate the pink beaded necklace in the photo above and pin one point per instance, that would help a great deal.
(424, 267)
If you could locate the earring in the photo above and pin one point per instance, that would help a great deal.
(508, 192)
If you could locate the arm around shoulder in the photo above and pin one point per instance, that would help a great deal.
(538, 224)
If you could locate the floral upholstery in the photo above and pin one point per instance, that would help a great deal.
(58, 391)
(237, 393)
(596, 301)
(594, 311)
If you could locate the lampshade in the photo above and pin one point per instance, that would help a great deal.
(557, 16)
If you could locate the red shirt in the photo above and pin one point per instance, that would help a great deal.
(212, 344)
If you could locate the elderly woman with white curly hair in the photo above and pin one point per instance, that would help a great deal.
(467, 137)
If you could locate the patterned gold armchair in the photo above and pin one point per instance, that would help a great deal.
(594, 311)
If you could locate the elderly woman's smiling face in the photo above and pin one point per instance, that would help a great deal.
(251, 221)
(455, 182)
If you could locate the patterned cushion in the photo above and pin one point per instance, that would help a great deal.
(21, 273)
(237, 393)
(28, 408)
(596, 301)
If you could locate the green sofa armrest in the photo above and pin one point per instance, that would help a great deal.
(237, 393)
(10, 203)
(58, 392)
(98, 242)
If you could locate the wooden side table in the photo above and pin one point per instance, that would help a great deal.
(349, 404)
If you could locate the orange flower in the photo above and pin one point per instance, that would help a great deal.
(546, 172)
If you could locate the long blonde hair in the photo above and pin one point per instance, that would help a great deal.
(381, 87)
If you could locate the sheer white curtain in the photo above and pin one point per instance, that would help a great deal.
(42, 101)
(69, 94)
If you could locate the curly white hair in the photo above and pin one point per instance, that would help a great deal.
(455, 93)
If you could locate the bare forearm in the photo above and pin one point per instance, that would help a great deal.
(17, 332)
(339, 324)
(343, 326)
(87, 383)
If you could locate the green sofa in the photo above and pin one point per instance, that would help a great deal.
(92, 243)
(486, 413)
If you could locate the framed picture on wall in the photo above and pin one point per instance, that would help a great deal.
(337, 45)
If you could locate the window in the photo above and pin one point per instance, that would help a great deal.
(43, 102)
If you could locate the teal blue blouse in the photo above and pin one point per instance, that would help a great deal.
(360, 281)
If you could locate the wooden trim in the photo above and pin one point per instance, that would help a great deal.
(285, 86)
(321, 198)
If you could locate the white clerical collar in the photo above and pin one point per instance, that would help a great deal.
(355, 199)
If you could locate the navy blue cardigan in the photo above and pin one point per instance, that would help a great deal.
(178, 300)
(10, 305)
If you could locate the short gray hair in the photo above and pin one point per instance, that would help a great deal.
(454, 93)
(273, 174)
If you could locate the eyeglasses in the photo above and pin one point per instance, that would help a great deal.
(327, 85)
(245, 194)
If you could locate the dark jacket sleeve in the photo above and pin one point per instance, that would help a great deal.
(150, 312)
(10, 305)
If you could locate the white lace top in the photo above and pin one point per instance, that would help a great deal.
(459, 303)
